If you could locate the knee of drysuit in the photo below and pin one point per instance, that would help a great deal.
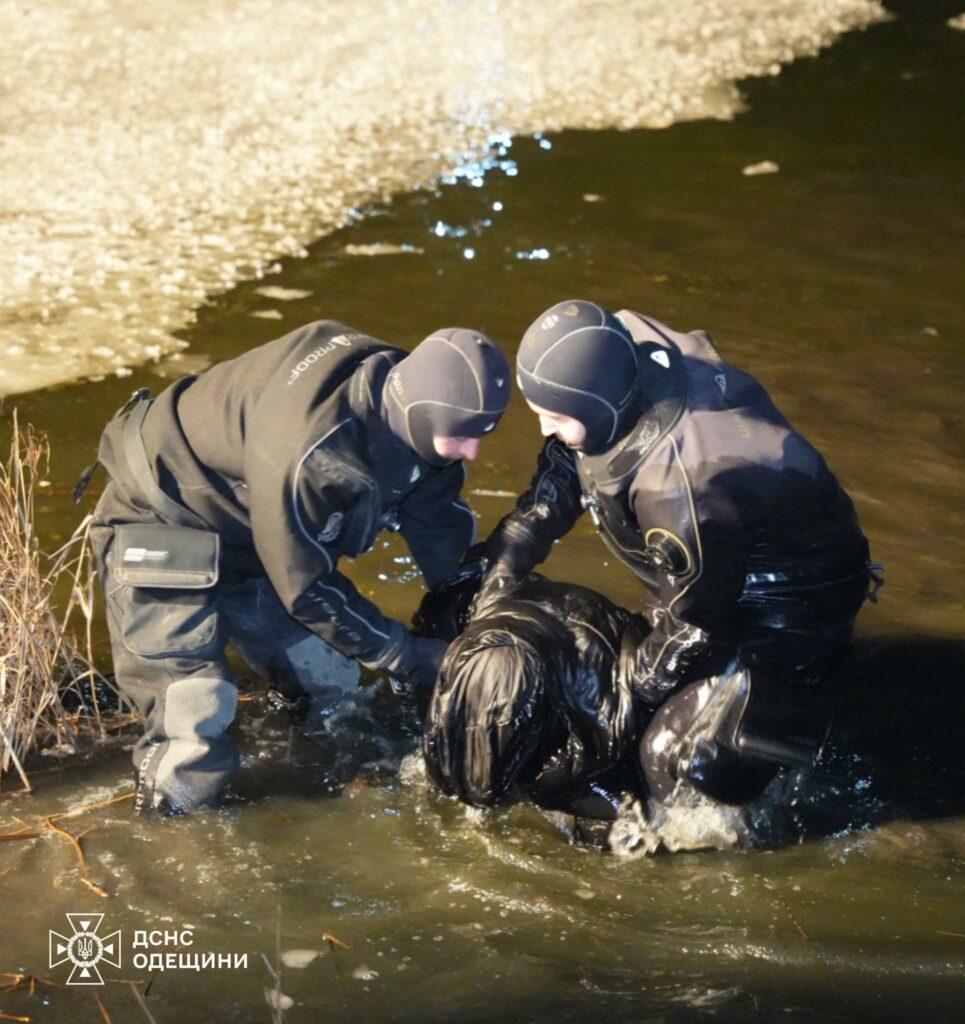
(199, 705)
(190, 758)
(728, 736)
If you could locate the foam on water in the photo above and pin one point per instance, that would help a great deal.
(157, 153)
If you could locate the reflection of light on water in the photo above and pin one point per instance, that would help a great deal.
(533, 254)
(473, 166)
(475, 227)
(441, 230)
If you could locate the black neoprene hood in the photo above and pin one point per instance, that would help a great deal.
(579, 360)
(455, 383)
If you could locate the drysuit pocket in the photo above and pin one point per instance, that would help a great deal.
(165, 593)
(157, 555)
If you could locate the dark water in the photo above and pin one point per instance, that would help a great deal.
(837, 281)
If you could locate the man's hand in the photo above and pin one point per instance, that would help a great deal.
(417, 664)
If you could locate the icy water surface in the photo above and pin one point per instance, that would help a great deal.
(155, 153)
(836, 279)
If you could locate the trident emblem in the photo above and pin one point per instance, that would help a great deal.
(85, 949)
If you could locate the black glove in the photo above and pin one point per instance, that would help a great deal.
(493, 578)
(444, 610)
(417, 664)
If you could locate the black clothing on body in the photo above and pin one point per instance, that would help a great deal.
(286, 453)
(529, 695)
(730, 518)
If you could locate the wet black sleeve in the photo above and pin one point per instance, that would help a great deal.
(694, 620)
(544, 512)
(303, 518)
(437, 524)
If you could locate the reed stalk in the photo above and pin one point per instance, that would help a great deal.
(50, 689)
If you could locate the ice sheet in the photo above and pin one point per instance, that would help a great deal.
(156, 152)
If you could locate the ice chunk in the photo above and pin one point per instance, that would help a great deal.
(278, 1000)
(764, 167)
(381, 249)
(271, 291)
(298, 958)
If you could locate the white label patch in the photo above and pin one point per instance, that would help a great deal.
(332, 527)
(721, 383)
(144, 555)
(662, 358)
(415, 475)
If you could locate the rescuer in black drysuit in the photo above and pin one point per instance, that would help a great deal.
(231, 498)
(750, 550)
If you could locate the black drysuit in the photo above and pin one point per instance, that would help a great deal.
(728, 516)
(282, 460)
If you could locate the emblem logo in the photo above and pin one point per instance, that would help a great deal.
(662, 358)
(331, 528)
(721, 383)
(549, 321)
(572, 310)
(85, 949)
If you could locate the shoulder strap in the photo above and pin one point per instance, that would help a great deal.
(167, 508)
(139, 395)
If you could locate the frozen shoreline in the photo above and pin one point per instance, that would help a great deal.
(156, 154)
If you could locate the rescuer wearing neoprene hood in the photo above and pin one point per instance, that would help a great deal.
(231, 499)
(750, 550)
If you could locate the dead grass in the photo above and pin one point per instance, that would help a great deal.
(49, 686)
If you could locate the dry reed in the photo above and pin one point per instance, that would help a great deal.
(49, 687)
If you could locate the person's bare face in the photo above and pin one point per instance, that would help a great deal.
(453, 448)
(556, 424)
